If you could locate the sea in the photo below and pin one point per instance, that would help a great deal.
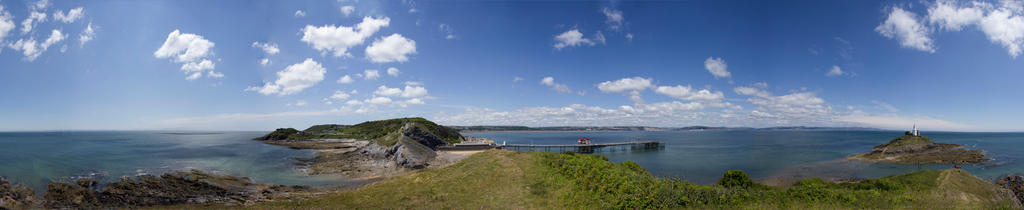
(701, 157)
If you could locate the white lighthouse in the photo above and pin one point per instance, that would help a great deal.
(915, 132)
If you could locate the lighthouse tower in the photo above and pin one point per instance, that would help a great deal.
(915, 132)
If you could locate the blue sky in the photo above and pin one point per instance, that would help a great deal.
(235, 65)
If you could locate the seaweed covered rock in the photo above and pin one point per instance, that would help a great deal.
(15, 196)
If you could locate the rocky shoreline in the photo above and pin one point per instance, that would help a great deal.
(192, 187)
(913, 149)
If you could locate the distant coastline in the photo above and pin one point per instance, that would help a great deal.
(496, 128)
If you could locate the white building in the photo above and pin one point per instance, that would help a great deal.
(915, 132)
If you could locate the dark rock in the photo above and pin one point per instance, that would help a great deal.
(1014, 184)
(17, 196)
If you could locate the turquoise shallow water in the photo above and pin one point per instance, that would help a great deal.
(35, 158)
(703, 156)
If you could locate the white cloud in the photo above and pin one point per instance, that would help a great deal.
(550, 81)
(338, 39)
(571, 38)
(214, 74)
(198, 66)
(905, 27)
(950, 17)
(40, 5)
(269, 48)
(1004, 27)
(33, 49)
(599, 37)
(885, 106)
(6, 24)
(194, 76)
(688, 93)
(835, 71)
(70, 17)
(517, 79)
(447, 31)
(264, 61)
(293, 79)
(33, 18)
(408, 92)
(184, 47)
(413, 83)
(624, 84)
(190, 49)
(749, 91)
(613, 18)
(298, 103)
(371, 74)
(379, 100)
(629, 37)
(347, 10)
(339, 95)
(717, 67)
(393, 71)
(345, 80)
(394, 48)
(300, 13)
(87, 35)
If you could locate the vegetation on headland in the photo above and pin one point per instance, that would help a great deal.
(915, 149)
(384, 132)
(516, 180)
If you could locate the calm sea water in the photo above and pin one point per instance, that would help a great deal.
(697, 156)
(703, 156)
(35, 158)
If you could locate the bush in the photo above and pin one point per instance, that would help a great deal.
(736, 178)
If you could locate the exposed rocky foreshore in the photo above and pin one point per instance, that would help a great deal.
(192, 187)
(916, 149)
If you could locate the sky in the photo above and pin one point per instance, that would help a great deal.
(260, 65)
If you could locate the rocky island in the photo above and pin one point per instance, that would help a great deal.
(371, 149)
(912, 148)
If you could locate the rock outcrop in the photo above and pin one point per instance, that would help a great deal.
(910, 149)
(146, 190)
(15, 196)
(1013, 183)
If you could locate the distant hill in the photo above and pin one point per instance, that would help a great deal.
(481, 128)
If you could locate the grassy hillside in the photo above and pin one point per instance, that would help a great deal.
(907, 140)
(385, 132)
(514, 180)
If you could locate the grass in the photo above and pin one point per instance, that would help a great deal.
(908, 140)
(514, 180)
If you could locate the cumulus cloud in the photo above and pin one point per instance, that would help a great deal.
(345, 80)
(71, 16)
(624, 85)
(689, 94)
(571, 38)
(717, 67)
(293, 79)
(613, 18)
(190, 49)
(87, 35)
(338, 39)
(393, 71)
(409, 91)
(550, 82)
(347, 10)
(371, 74)
(1005, 27)
(835, 71)
(34, 18)
(517, 79)
(269, 48)
(951, 17)
(907, 29)
(339, 95)
(300, 13)
(6, 24)
(394, 48)
(32, 49)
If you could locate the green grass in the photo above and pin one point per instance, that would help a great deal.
(908, 140)
(514, 180)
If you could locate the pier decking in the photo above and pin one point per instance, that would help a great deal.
(584, 148)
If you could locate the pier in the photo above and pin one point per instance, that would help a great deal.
(585, 148)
